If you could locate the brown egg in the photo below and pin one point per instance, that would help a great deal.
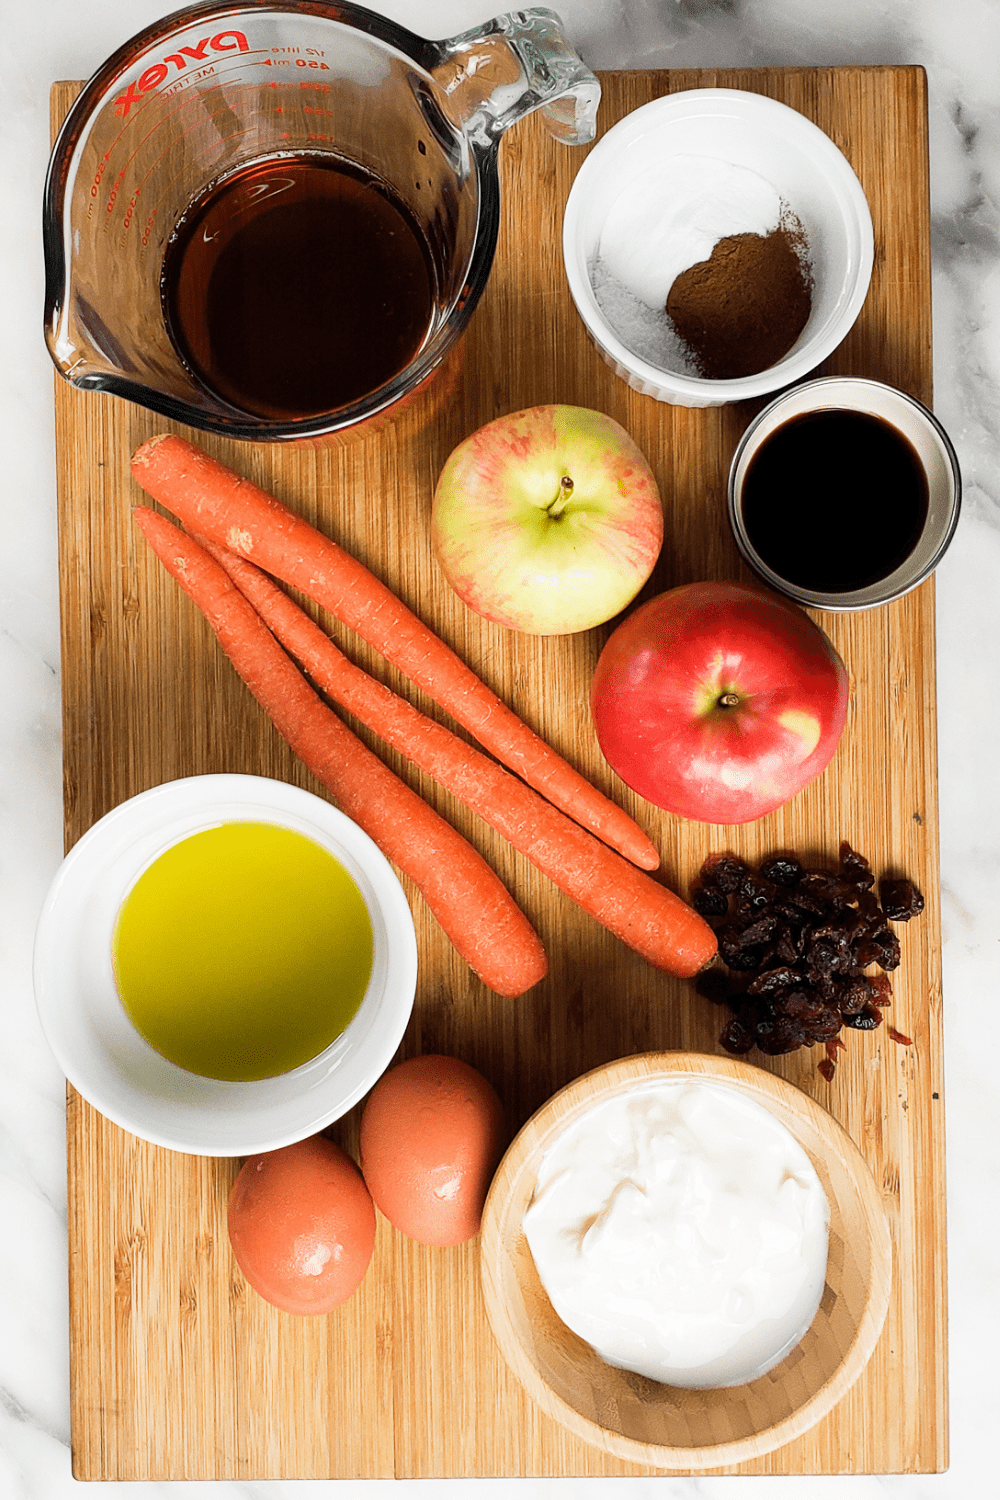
(430, 1139)
(302, 1225)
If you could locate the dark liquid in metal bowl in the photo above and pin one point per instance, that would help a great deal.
(834, 501)
(296, 286)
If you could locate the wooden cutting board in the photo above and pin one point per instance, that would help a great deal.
(178, 1370)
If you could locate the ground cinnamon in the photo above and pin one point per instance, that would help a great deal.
(741, 310)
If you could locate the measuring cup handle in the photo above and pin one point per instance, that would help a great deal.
(512, 65)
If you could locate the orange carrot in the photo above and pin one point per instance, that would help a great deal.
(214, 502)
(473, 906)
(643, 913)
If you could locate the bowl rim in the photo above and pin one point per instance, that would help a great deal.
(203, 801)
(795, 366)
(571, 1101)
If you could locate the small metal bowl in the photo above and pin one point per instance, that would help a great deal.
(925, 435)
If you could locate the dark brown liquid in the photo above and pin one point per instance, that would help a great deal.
(834, 501)
(297, 286)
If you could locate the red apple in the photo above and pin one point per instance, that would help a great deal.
(547, 520)
(719, 701)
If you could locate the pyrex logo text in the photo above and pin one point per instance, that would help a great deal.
(223, 41)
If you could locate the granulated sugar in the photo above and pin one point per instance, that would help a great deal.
(645, 330)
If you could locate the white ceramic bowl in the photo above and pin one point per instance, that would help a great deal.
(800, 162)
(115, 1068)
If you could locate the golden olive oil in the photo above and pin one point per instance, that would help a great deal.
(243, 951)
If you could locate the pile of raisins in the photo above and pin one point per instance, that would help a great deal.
(795, 943)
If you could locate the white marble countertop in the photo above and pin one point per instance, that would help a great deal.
(958, 41)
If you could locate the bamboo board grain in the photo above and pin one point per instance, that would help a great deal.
(177, 1370)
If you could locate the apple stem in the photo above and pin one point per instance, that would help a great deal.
(729, 700)
(556, 507)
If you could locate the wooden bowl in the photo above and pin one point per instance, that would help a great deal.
(660, 1425)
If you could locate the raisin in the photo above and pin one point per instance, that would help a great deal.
(756, 894)
(865, 1020)
(853, 995)
(789, 943)
(792, 917)
(805, 1005)
(758, 933)
(868, 905)
(842, 930)
(802, 903)
(745, 960)
(773, 981)
(880, 947)
(784, 1034)
(726, 871)
(825, 1025)
(900, 899)
(856, 868)
(734, 944)
(826, 886)
(824, 959)
(709, 901)
(827, 1067)
(781, 869)
(737, 1039)
(827, 986)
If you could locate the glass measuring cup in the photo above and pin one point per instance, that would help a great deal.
(200, 95)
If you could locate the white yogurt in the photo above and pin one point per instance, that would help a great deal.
(681, 1230)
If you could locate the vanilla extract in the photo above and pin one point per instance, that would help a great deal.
(834, 501)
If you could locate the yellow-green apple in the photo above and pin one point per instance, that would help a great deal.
(719, 701)
(547, 520)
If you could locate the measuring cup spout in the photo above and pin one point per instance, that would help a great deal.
(496, 73)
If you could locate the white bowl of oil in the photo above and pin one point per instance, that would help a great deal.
(224, 965)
